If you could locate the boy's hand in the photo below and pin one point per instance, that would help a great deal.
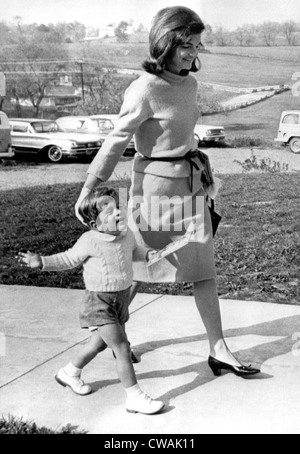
(30, 260)
(151, 254)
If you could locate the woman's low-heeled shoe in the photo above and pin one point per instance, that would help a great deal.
(242, 371)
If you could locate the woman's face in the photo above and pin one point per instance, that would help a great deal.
(185, 54)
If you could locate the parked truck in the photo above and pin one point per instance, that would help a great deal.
(5, 137)
(289, 130)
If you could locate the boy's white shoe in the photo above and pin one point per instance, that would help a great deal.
(144, 404)
(75, 383)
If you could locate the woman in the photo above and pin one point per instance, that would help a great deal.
(160, 108)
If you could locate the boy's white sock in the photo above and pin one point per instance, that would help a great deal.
(72, 371)
(133, 392)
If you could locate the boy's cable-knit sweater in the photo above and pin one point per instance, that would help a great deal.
(162, 112)
(107, 260)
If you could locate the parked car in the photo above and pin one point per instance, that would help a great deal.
(100, 124)
(5, 137)
(289, 130)
(45, 139)
(207, 133)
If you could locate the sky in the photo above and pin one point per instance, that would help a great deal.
(228, 13)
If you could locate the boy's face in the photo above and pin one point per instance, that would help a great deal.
(110, 219)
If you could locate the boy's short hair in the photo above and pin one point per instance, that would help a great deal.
(89, 208)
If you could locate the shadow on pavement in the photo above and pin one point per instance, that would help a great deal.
(284, 327)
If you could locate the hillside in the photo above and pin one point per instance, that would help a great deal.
(232, 66)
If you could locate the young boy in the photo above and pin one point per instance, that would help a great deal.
(106, 252)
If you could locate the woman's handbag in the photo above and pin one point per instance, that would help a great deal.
(215, 217)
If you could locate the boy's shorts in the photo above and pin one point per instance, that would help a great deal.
(99, 309)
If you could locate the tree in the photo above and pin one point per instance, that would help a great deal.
(244, 36)
(31, 67)
(76, 31)
(18, 21)
(121, 32)
(239, 35)
(141, 28)
(290, 29)
(208, 37)
(105, 90)
(220, 37)
(4, 33)
(269, 32)
(43, 28)
(68, 32)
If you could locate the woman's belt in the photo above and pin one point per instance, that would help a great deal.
(206, 175)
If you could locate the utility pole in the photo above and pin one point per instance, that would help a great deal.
(2, 89)
(82, 79)
(2, 84)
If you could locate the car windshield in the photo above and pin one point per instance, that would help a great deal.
(71, 123)
(291, 119)
(105, 124)
(47, 126)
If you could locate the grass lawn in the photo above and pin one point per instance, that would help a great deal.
(235, 66)
(283, 53)
(252, 67)
(259, 120)
(16, 426)
(257, 246)
(232, 66)
(240, 71)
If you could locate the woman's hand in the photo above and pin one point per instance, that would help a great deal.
(84, 193)
(30, 260)
(91, 182)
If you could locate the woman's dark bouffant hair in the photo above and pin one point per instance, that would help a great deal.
(170, 28)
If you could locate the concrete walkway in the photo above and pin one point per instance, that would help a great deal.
(40, 334)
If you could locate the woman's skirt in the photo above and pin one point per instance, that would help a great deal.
(161, 210)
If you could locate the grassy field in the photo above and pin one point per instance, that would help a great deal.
(259, 120)
(257, 246)
(247, 67)
(236, 66)
(237, 71)
(284, 53)
(232, 66)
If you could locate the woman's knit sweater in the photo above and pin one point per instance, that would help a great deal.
(162, 112)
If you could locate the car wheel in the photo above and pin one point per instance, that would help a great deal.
(55, 154)
(295, 145)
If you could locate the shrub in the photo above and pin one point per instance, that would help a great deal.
(247, 142)
(264, 165)
(17, 426)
